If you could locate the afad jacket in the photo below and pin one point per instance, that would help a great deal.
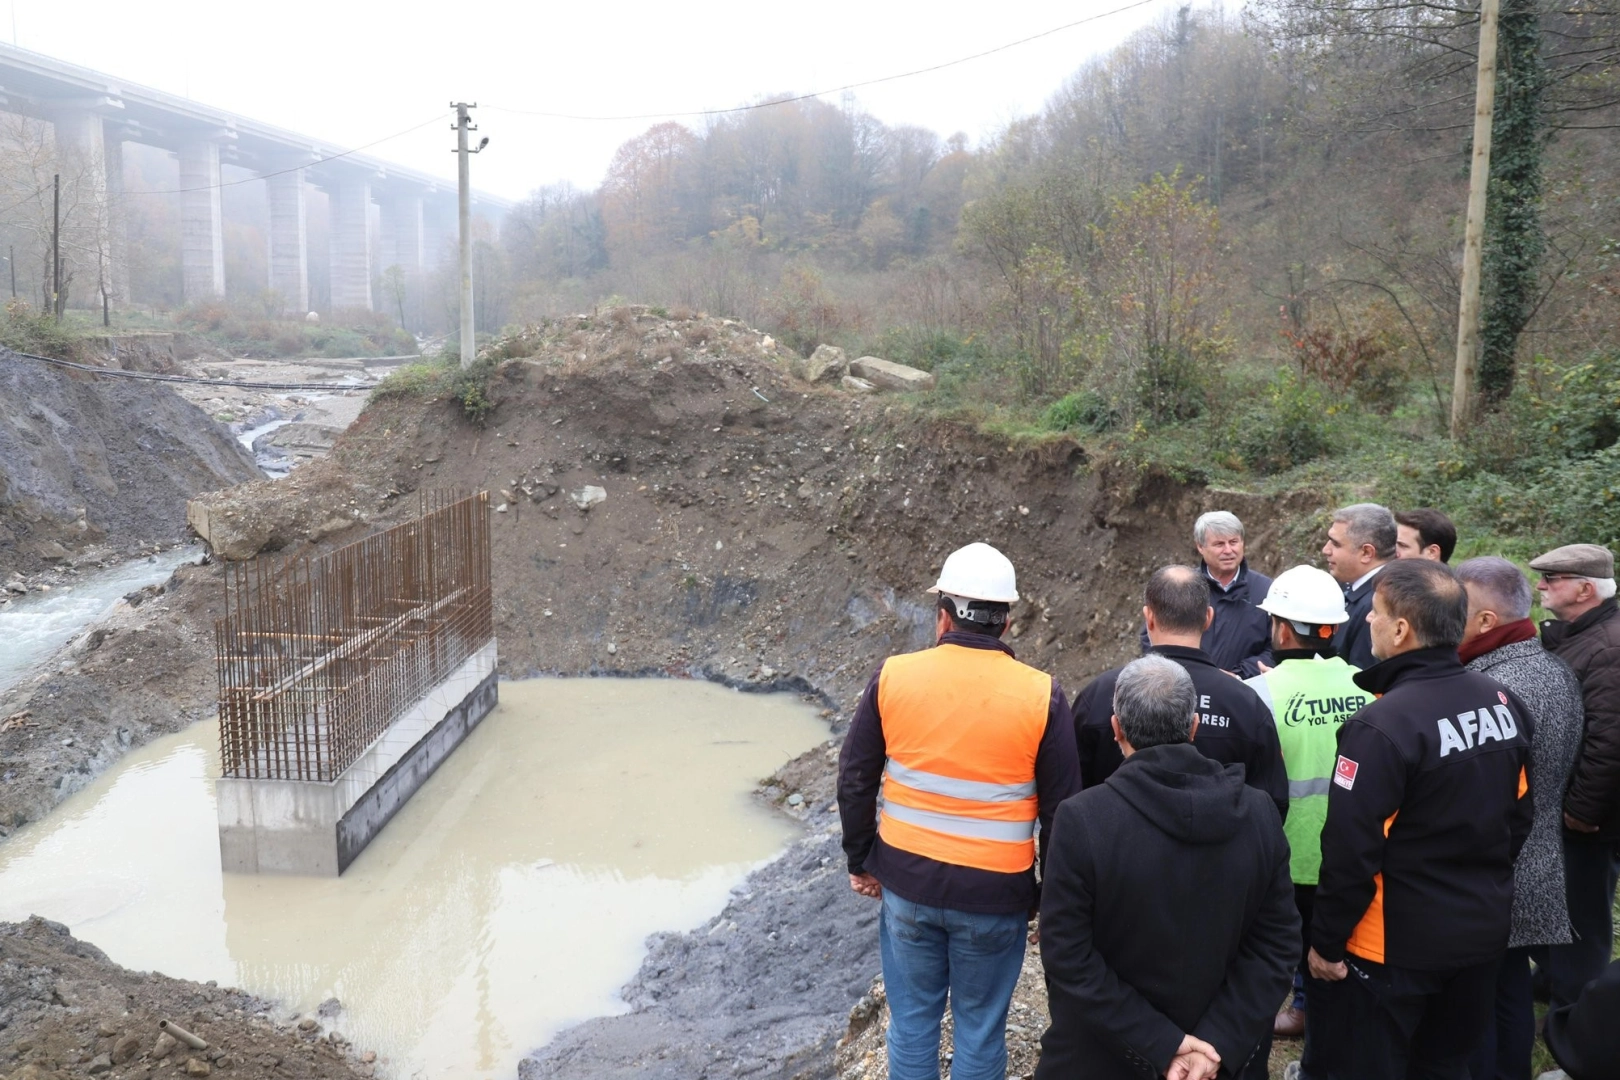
(1429, 806)
(1591, 646)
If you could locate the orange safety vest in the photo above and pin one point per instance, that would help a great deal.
(962, 727)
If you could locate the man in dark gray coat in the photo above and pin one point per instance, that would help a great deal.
(1168, 926)
(1500, 641)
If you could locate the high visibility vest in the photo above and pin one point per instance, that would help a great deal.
(1310, 700)
(962, 727)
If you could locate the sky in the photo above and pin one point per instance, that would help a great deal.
(355, 73)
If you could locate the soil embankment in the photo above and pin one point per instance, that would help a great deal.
(744, 526)
(87, 460)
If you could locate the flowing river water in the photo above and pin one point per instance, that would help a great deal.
(509, 898)
(36, 625)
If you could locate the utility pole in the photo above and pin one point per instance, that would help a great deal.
(1479, 176)
(469, 344)
(56, 247)
(11, 261)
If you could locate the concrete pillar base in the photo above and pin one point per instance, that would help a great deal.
(318, 829)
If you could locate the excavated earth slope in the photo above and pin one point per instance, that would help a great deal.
(754, 529)
(86, 459)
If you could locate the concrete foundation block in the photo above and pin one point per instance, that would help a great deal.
(318, 829)
(888, 375)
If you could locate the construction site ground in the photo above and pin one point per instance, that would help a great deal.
(670, 501)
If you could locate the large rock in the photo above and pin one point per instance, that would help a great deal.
(827, 364)
(888, 375)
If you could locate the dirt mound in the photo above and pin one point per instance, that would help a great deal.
(670, 499)
(68, 1011)
(86, 460)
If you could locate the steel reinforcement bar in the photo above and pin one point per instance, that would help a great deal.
(317, 656)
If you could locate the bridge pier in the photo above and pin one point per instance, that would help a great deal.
(95, 167)
(350, 202)
(202, 238)
(289, 240)
(401, 246)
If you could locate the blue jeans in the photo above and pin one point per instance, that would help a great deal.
(928, 951)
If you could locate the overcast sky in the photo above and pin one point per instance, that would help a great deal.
(353, 73)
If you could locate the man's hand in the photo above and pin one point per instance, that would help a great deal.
(1264, 667)
(1578, 826)
(866, 885)
(1321, 969)
(1195, 1060)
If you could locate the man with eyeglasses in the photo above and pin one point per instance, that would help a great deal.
(1577, 587)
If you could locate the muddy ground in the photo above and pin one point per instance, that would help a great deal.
(755, 529)
(68, 1011)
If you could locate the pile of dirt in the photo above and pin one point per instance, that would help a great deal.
(67, 1011)
(87, 460)
(670, 499)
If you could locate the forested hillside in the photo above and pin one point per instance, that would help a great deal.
(1240, 233)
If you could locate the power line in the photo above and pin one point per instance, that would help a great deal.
(837, 89)
(293, 168)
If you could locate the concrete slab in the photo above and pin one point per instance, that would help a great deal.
(888, 375)
(311, 828)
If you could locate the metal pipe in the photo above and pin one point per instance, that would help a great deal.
(178, 1032)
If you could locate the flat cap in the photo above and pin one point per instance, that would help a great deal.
(1587, 560)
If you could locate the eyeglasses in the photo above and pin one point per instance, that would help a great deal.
(1550, 578)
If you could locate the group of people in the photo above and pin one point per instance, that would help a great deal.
(1373, 795)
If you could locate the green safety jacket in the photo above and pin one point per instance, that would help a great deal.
(1310, 698)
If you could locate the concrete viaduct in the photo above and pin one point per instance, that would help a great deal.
(95, 114)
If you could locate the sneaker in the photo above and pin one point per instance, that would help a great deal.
(1289, 1024)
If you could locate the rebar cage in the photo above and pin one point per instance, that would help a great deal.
(317, 656)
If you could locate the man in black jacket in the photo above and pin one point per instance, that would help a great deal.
(1360, 543)
(1168, 925)
(1577, 587)
(1235, 727)
(1238, 637)
(1429, 805)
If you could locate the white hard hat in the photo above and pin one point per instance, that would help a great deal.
(978, 572)
(1306, 594)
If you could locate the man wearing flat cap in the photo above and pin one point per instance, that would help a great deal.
(1577, 587)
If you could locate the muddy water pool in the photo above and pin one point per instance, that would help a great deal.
(509, 898)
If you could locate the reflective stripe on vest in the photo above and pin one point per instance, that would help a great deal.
(962, 727)
(1310, 700)
(959, 789)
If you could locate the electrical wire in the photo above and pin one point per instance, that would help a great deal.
(149, 376)
(834, 89)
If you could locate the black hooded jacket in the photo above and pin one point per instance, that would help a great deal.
(1167, 910)
(1429, 805)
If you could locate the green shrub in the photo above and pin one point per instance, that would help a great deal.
(1580, 414)
(471, 386)
(1083, 410)
(1290, 425)
(1171, 385)
(26, 331)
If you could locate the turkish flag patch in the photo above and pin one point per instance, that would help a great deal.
(1344, 774)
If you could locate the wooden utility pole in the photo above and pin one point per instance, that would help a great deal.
(1479, 176)
(56, 247)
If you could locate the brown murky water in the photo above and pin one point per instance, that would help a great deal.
(508, 899)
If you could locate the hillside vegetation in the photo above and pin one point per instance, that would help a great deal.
(1230, 248)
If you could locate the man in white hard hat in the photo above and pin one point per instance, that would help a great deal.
(1311, 693)
(973, 751)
